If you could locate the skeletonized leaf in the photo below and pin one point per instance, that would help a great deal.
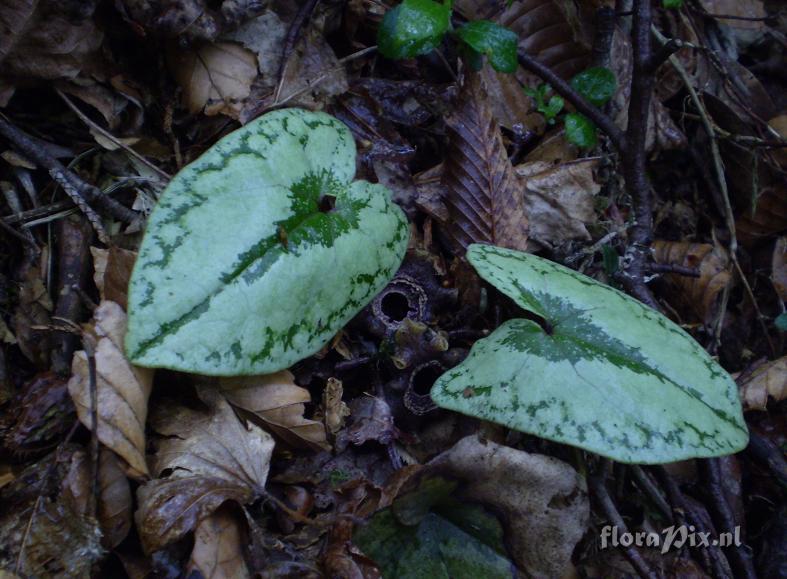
(769, 380)
(123, 389)
(279, 403)
(218, 547)
(483, 195)
(211, 457)
(604, 372)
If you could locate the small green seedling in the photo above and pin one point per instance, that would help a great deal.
(550, 108)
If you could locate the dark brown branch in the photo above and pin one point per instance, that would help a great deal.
(564, 89)
(674, 268)
(65, 178)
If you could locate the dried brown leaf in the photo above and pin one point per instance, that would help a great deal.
(279, 403)
(769, 380)
(779, 268)
(33, 309)
(537, 496)
(123, 389)
(768, 218)
(559, 199)
(215, 77)
(697, 295)
(112, 271)
(46, 40)
(218, 547)
(483, 195)
(335, 411)
(209, 457)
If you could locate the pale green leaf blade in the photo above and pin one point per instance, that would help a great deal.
(613, 376)
(240, 271)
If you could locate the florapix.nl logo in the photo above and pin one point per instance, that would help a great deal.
(674, 537)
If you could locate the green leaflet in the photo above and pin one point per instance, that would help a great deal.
(240, 271)
(613, 376)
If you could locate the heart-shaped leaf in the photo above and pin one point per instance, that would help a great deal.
(245, 267)
(603, 372)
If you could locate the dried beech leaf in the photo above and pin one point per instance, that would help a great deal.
(483, 195)
(211, 457)
(698, 295)
(218, 547)
(216, 77)
(279, 403)
(559, 199)
(112, 271)
(769, 380)
(123, 389)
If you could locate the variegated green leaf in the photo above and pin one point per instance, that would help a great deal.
(604, 372)
(245, 268)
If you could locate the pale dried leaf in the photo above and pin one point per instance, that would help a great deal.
(769, 380)
(698, 295)
(279, 403)
(334, 409)
(264, 36)
(212, 444)
(536, 495)
(123, 389)
(215, 77)
(218, 547)
(559, 199)
(112, 271)
(483, 195)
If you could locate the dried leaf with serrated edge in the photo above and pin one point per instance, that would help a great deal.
(216, 77)
(279, 403)
(483, 195)
(218, 547)
(699, 295)
(123, 389)
(211, 456)
(768, 380)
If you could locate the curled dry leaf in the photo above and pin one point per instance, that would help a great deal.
(122, 389)
(210, 457)
(112, 271)
(482, 193)
(335, 411)
(215, 77)
(278, 402)
(537, 496)
(559, 199)
(770, 379)
(698, 295)
(218, 547)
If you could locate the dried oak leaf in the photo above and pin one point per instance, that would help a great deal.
(218, 546)
(209, 457)
(123, 389)
(112, 270)
(277, 401)
(698, 295)
(770, 379)
(214, 77)
(483, 194)
(537, 496)
(559, 199)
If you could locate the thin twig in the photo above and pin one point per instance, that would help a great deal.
(115, 141)
(87, 343)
